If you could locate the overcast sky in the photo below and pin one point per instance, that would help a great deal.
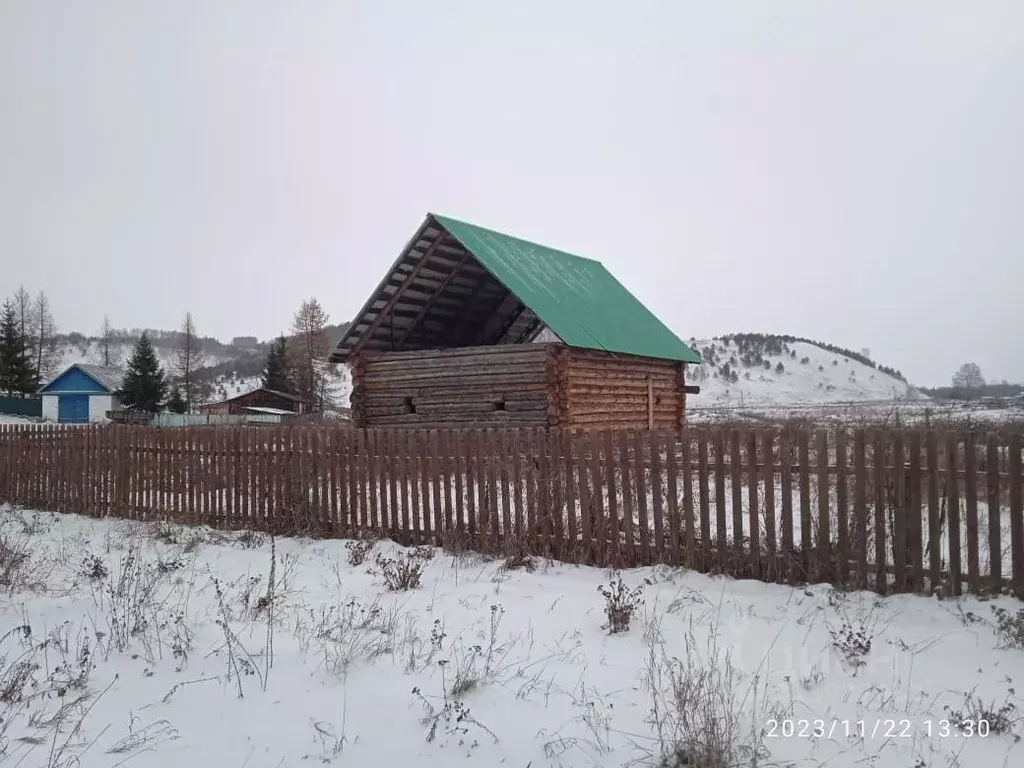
(847, 171)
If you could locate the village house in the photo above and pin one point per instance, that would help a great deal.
(82, 394)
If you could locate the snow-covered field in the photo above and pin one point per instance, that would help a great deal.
(165, 646)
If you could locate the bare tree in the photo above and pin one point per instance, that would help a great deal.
(969, 377)
(23, 313)
(108, 349)
(190, 358)
(308, 350)
(44, 338)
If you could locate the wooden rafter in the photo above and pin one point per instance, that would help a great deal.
(429, 302)
(397, 294)
(512, 320)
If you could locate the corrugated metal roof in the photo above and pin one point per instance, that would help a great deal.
(576, 298)
(107, 376)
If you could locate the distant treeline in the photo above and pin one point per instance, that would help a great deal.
(988, 390)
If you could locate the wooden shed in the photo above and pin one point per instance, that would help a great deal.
(474, 328)
(257, 398)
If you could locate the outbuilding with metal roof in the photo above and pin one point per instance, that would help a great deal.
(477, 328)
(82, 394)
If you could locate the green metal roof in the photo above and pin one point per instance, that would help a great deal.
(577, 298)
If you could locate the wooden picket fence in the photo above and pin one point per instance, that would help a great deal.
(893, 511)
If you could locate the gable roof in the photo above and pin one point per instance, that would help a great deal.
(109, 377)
(458, 284)
(249, 393)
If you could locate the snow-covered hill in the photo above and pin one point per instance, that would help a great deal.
(773, 372)
(90, 352)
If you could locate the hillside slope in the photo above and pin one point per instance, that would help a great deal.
(748, 370)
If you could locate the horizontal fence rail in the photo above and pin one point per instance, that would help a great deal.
(895, 511)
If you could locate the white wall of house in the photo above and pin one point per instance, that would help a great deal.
(50, 407)
(99, 405)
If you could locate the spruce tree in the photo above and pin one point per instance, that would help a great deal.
(16, 372)
(176, 403)
(144, 387)
(275, 375)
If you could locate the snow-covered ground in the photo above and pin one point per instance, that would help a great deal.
(164, 646)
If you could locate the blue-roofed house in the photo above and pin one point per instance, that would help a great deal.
(82, 394)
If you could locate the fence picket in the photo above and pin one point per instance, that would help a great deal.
(1016, 514)
(656, 497)
(705, 511)
(995, 522)
(555, 476)
(586, 529)
(736, 481)
(860, 507)
(672, 472)
(493, 508)
(842, 519)
(786, 481)
(971, 510)
(614, 524)
(640, 473)
(771, 540)
(721, 519)
(755, 528)
(914, 525)
(934, 519)
(599, 524)
(572, 547)
(881, 550)
(806, 542)
(628, 537)
(426, 469)
(899, 512)
(825, 553)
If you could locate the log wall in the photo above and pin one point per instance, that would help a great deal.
(497, 386)
(599, 390)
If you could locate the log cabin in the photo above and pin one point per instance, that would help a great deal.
(474, 328)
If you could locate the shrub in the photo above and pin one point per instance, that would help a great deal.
(620, 604)
(359, 550)
(780, 368)
(976, 718)
(94, 569)
(401, 573)
(13, 559)
(696, 711)
(1009, 627)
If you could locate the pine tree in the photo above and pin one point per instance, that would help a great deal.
(16, 372)
(144, 387)
(275, 375)
(176, 403)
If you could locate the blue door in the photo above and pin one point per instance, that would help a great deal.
(73, 409)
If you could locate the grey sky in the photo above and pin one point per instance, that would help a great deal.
(848, 171)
